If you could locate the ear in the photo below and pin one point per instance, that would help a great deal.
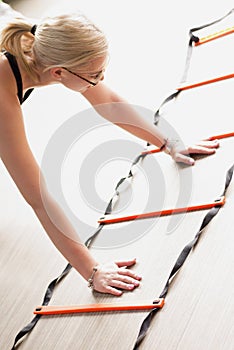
(56, 73)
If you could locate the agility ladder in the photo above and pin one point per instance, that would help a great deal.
(215, 206)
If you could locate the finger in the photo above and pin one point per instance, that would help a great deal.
(113, 291)
(180, 158)
(198, 150)
(201, 150)
(126, 263)
(209, 144)
(129, 273)
(129, 280)
(122, 285)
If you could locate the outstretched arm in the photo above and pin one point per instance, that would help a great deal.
(24, 170)
(116, 110)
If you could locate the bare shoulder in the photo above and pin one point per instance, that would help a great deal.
(15, 151)
(11, 120)
(8, 87)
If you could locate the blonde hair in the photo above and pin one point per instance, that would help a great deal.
(62, 41)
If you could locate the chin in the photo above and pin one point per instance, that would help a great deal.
(81, 90)
(84, 89)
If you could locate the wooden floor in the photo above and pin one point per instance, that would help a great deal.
(199, 308)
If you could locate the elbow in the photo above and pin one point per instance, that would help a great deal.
(36, 196)
(35, 200)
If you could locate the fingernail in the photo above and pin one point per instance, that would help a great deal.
(131, 286)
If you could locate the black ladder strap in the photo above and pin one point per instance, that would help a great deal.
(50, 289)
(192, 39)
(109, 207)
(195, 29)
(46, 300)
(180, 261)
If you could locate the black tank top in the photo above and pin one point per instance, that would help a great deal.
(15, 69)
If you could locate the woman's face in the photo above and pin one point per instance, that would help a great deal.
(80, 81)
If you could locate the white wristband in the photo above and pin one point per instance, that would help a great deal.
(90, 280)
(168, 146)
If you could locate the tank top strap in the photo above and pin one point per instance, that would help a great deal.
(15, 69)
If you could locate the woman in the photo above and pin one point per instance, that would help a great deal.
(72, 51)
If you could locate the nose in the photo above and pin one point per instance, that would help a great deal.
(101, 77)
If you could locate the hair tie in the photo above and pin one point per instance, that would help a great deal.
(33, 29)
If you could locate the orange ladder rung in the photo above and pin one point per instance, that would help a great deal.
(55, 310)
(214, 36)
(111, 219)
(205, 82)
(153, 149)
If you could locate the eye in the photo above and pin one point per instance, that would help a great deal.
(97, 75)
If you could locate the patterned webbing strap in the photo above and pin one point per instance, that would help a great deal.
(192, 39)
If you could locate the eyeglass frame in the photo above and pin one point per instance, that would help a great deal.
(79, 76)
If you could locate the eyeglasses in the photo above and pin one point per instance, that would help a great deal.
(79, 76)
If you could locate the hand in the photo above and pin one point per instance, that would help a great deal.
(111, 277)
(181, 154)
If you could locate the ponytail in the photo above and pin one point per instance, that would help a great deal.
(17, 39)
